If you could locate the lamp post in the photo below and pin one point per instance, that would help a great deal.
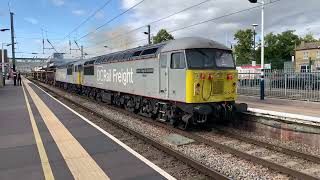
(2, 58)
(262, 47)
(254, 41)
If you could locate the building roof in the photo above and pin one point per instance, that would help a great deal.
(306, 46)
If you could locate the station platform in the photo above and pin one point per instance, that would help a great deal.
(40, 138)
(302, 110)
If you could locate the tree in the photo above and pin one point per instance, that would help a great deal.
(244, 46)
(309, 38)
(279, 48)
(162, 36)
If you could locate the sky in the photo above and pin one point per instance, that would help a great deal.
(104, 26)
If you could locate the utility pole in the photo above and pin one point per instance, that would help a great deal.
(262, 52)
(81, 52)
(254, 41)
(12, 42)
(2, 58)
(149, 35)
(262, 47)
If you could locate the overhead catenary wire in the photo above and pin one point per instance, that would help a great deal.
(210, 20)
(88, 18)
(155, 21)
(112, 19)
(223, 16)
(52, 46)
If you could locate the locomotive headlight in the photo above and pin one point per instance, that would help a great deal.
(203, 76)
(229, 76)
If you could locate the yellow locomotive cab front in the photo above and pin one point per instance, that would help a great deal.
(211, 76)
(211, 86)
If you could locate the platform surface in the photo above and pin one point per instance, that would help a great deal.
(42, 139)
(282, 105)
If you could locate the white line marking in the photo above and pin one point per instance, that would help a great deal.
(285, 115)
(149, 163)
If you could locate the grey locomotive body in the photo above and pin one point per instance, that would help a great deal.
(157, 81)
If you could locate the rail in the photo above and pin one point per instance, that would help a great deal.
(191, 162)
(197, 165)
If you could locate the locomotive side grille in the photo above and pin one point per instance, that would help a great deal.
(217, 87)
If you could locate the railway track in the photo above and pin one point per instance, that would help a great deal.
(229, 144)
(207, 172)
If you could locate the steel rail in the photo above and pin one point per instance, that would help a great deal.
(284, 150)
(191, 162)
(222, 147)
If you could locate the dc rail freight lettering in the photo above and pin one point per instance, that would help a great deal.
(187, 82)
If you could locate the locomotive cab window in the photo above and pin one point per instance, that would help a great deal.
(80, 68)
(88, 70)
(149, 51)
(177, 61)
(137, 53)
(209, 59)
(69, 70)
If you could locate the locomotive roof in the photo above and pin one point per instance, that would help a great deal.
(192, 43)
(66, 63)
(173, 45)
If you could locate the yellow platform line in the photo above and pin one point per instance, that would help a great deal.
(80, 163)
(42, 153)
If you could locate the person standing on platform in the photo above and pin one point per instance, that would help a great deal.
(19, 79)
(14, 77)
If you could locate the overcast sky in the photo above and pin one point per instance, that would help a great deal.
(61, 16)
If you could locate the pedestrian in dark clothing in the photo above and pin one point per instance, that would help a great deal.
(19, 79)
(14, 77)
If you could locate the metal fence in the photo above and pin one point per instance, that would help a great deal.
(282, 84)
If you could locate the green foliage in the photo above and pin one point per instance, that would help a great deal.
(309, 38)
(244, 47)
(278, 47)
(162, 36)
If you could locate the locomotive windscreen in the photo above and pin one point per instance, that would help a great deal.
(209, 59)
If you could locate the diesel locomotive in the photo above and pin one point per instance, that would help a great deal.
(187, 82)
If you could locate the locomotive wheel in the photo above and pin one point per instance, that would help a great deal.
(183, 125)
(174, 122)
(185, 122)
(130, 105)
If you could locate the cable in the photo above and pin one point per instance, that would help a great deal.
(52, 46)
(36, 38)
(158, 20)
(88, 18)
(117, 16)
(220, 17)
(213, 19)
